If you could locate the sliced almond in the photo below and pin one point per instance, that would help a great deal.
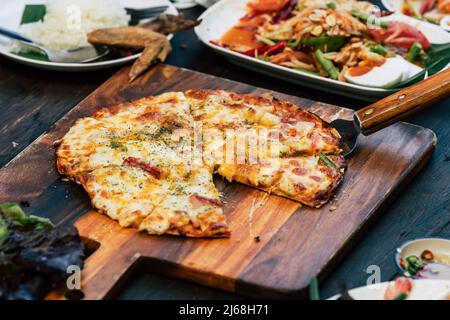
(315, 17)
(330, 20)
(317, 31)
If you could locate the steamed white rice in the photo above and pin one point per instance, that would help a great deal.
(67, 22)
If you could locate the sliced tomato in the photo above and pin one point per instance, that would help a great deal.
(401, 286)
(427, 5)
(267, 5)
(401, 35)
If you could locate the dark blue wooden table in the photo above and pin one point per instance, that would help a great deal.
(32, 100)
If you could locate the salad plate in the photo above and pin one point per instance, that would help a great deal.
(10, 18)
(222, 16)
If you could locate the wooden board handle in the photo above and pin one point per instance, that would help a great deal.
(403, 103)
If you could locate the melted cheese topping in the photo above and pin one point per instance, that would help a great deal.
(136, 159)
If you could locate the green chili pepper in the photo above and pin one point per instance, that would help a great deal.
(329, 67)
(414, 52)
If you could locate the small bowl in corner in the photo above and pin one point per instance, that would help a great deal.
(440, 250)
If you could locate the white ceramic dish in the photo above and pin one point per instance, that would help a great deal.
(396, 6)
(226, 13)
(415, 248)
(422, 290)
(11, 14)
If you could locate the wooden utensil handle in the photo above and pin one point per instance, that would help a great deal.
(403, 103)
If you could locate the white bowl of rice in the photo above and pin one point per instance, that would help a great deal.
(66, 25)
(67, 22)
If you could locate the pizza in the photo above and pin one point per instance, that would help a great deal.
(149, 163)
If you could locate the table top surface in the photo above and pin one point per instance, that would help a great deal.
(33, 100)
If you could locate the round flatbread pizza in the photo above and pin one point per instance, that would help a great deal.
(149, 163)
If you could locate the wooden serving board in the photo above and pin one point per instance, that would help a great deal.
(295, 243)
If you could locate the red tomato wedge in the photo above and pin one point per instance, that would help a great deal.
(267, 5)
(401, 285)
(401, 35)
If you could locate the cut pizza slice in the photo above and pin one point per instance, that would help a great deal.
(296, 130)
(124, 193)
(140, 129)
(136, 194)
(191, 208)
(310, 180)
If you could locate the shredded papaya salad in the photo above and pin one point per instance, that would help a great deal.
(339, 39)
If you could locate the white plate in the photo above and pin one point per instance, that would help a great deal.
(11, 14)
(422, 290)
(396, 6)
(223, 15)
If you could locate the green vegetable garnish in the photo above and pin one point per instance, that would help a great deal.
(329, 67)
(325, 43)
(401, 296)
(368, 18)
(414, 52)
(327, 161)
(314, 289)
(263, 57)
(414, 264)
(14, 213)
(116, 144)
(379, 49)
(3, 231)
(331, 5)
(33, 13)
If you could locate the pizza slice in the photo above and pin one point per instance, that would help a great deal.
(191, 208)
(310, 180)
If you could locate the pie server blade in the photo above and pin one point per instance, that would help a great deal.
(392, 109)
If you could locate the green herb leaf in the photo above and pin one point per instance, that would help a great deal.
(327, 161)
(13, 212)
(314, 289)
(33, 13)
